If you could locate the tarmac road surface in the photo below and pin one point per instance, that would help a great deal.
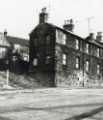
(51, 104)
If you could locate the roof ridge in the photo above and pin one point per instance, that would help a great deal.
(17, 37)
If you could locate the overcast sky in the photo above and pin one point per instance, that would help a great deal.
(19, 17)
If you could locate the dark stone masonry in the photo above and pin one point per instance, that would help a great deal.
(52, 57)
(71, 60)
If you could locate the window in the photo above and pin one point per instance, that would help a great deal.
(2, 52)
(16, 46)
(47, 60)
(60, 37)
(77, 65)
(25, 57)
(35, 62)
(64, 59)
(14, 58)
(98, 69)
(35, 41)
(87, 66)
(77, 44)
(48, 39)
(87, 48)
(64, 39)
(98, 52)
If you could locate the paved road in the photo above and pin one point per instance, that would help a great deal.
(51, 104)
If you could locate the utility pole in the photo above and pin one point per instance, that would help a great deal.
(49, 6)
(7, 80)
(88, 19)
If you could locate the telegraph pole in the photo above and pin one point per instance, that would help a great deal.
(88, 19)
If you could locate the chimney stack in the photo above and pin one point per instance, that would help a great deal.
(99, 37)
(90, 37)
(68, 25)
(5, 32)
(43, 16)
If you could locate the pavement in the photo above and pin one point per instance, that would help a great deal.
(51, 104)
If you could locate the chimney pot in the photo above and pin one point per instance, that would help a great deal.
(71, 21)
(68, 25)
(5, 32)
(99, 36)
(91, 36)
(43, 16)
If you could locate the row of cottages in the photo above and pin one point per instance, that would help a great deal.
(11, 46)
(66, 58)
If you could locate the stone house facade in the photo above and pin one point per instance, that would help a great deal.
(69, 59)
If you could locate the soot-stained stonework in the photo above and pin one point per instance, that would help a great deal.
(71, 59)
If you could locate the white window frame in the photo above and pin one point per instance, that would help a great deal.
(87, 66)
(35, 62)
(98, 52)
(64, 39)
(77, 64)
(61, 37)
(98, 69)
(64, 59)
(77, 44)
(16, 46)
(25, 57)
(87, 48)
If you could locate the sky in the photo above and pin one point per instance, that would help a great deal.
(19, 17)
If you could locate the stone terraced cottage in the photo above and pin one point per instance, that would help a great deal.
(66, 58)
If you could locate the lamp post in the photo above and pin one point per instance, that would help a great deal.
(7, 74)
(8, 56)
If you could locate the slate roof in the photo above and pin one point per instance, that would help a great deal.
(71, 33)
(56, 27)
(17, 40)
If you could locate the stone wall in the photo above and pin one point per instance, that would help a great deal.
(69, 76)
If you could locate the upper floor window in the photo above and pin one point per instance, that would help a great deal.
(98, 69)
(64, 39)
(87, 48)
(35, 62)
(87, 66)
(14, 58)
(25, 57)
(35, 41)
(60, 37)
(77, 44)
(47, 60)
(77, 65)
(48, 39)
(16, 46)
(2, 52)
(64, 59)
(98, 52)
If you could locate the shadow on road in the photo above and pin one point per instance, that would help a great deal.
(33, 108)
(86, 114)
(4, 118)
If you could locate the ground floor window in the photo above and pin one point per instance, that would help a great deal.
(87, 66)
(98, 69)
(77, 65)
(35, 62)
(47, 60)
(64, 59)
